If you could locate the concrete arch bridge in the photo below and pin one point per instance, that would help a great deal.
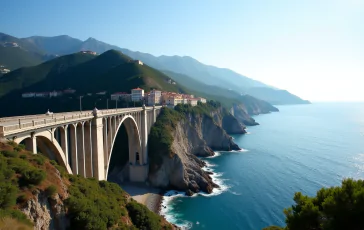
(83, 141)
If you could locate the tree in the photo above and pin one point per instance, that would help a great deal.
(334, 208)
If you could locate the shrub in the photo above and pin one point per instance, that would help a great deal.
(53, 162)
(12, 143)
(95, 205)
(333, 208)
(23, 156)
(51, 190)
(39, 159)
(8, 153)
(7, 194)
(16, 214)
(33, 177)
(142, 218)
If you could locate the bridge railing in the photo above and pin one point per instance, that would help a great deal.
(31, 121)
(42, 121)
(38, 116)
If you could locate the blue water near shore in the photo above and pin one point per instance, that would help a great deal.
(301, 148)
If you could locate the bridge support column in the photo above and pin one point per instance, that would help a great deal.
(98, 148)
(31, 144)
(64, 142)
(144, 136)
(154, 115)
(81, 150)
(73, 144)
(88, 150)
(138, 170)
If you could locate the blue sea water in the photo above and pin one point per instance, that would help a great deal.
(301, 148)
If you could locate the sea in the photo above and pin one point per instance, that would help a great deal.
(302, 148)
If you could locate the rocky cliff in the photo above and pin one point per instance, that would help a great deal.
(48, 212)
(192, 135)
(251, 106)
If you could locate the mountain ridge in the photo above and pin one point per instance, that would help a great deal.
(186, 65)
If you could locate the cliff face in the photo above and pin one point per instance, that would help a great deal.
(48, 212)
(197, 135)
(251, 106)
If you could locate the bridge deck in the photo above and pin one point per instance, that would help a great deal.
(11, 125)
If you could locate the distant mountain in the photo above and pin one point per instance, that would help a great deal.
(276, 97)
(16, 53)
(58, 45)
(87, 73)
(16, 57)
(210, 75)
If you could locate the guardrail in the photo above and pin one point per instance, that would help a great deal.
(42, 121)
(39, 120)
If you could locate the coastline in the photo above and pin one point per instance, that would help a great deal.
(144, 194)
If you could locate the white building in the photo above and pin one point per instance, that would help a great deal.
(154, 97)
(193, 101)
(120, 96)
(101, 93)
(139, 62)
(4, 71)
(55, 94)
(201, 99)
(42, 94)
(137, 94)
(28, 95)
(69, 91)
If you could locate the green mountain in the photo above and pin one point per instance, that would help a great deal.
(28, 77)
(16, 57)
(111, 71)
(20, 54)
(210, 75)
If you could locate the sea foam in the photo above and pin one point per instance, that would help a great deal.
(167, 209)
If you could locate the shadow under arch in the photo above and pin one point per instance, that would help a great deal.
(127, 128)
(49, 148)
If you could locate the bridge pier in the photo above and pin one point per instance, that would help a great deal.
(88, 149)
(98, 148)
(73, 144)
(31, 144)
(64, 142)
(81, 149)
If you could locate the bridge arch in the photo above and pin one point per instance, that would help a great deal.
(134, 141)
(48, 145)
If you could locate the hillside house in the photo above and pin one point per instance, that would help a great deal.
(28, 95)
(120, 96)
(137, 94)
(154, 97)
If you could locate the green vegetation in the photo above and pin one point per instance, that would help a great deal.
(91, 204)
(103, 205)
(26, 77)
(160, 138)
(334, 208)
(202, 108)
(16, 175)
(16, 57)
(96, 204)
(143, 218)
(51, 190)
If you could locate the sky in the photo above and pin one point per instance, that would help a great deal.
(312, 48)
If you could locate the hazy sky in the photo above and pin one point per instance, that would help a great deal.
(313, 48)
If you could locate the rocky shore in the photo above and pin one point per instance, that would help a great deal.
(198, 135)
